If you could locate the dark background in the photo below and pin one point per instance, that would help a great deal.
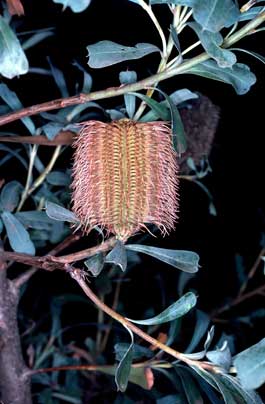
(236, 159)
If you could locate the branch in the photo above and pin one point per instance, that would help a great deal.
(239, 299)
(76, 274)
(61, 139)
(142, 84)
(252, 272)
(241, 296)
(93, 368)
(21, 279)
(50, 263)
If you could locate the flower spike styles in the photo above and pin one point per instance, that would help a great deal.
(125, 175)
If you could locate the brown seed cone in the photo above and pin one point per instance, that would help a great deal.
(200, 123)
(125, 174)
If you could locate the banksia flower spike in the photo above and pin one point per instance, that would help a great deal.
(125, 175)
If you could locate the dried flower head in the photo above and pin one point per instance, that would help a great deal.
(125, 174)
(200, 123)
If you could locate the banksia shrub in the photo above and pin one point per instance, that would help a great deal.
(125, 175)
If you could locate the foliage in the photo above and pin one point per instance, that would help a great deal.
(36, 216)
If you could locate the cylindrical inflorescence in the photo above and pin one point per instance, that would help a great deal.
(125, 175)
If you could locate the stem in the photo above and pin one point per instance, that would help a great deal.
(50, 263)
(75, 274)
(142, 84)
(88, 252)
(252, 271)
(149, 11)
(173, 61)
(47, 170)
(91, 368)
(239, 299)
(21, 279)
(24, 196)
(114, 307)
(99, 331)
(62, 138)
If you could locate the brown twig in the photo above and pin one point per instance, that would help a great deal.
(50, 263)
(252, 272)
(61, 139)
(241, 296)
(114, 307)
(184, 67)
(21, 279)
(76, 274)
(88, 252)
(238, 300)
(93, 368)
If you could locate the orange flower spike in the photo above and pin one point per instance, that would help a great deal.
(125, 174)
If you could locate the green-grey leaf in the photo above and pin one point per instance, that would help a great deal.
(232, 391)
(175, 39)
(17, 234)
(107, 53)
(60, 213)
(178, 132)
(35, 220)
(10, 195)
(211, 42)
(189, 386)
(59, 79)
(117, 256)
(221, 357)
(58, 178)
(129, 77)
(77, 6)
(115, 115)
(51, 129)
(178, 97)
(171, 399)
(251, 13)
(201, 354)
(159, 109)
(189, 3)
(13, 61)
(176, 310)
(137, 375)
(123, 369)
(182, 95)
(36, 38)
(201, 326)
(213, 15)
(138, 351)
(186, 261)
(1, 226)
(95, 264)
(254, 54)
(250, 365)
(239, 75)
(13, 153)
(12, 100)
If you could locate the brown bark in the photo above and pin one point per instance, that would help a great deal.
(14, 384)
